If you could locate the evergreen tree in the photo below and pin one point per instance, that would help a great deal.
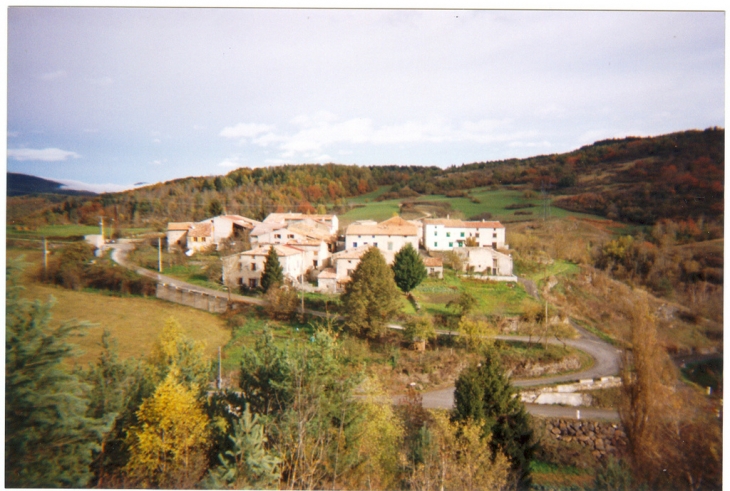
(371, 297)
(408, 268)
(49, 438)
(483, 393)
(273, 272)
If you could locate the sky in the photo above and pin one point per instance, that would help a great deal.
(106, 98)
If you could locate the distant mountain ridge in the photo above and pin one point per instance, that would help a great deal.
(24, 184)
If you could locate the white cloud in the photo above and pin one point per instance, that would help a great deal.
(232, 161)
(245, 130)
(94, 188)
(53, 75)
(43, 155)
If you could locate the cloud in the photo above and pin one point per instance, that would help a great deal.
(314, 135)
(94, 188)
(233, 161)
(156, 140)
(43, 155)
(158, 161)
(245, 130)
(53, 75)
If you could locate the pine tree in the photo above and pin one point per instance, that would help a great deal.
(49, 439)
(273, 272)
(408, 268)
(483, 393)
(371, 297)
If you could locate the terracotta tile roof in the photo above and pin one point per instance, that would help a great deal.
(281, 251)
(283, 217)
(327, 274)
(433, 262)
(201, 230)
(265, 228)
(483, 225)
(392, 226)
(311, 229)
(355, 253)
(447, 222)
(179, 225)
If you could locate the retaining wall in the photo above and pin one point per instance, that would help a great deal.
(602, 439)
(191, 298)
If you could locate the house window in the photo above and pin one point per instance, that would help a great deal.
(494, 235)
(435, 244)
(252, 282)
(290, 236)
(448, 234)
(494, 245)
(354, 244)
(451, 244)
(253, 266)
(277, 236)
(462, 234)
(314, 263)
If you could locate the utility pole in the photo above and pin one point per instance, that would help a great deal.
(159, 253)
(45, 258)
(220, 380)
(101, 227)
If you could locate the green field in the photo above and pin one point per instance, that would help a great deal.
(67, 231)
(493, 298)
(487, 200)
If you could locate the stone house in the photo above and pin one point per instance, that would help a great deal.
(330, 221)
(200, 237)
(434, 266)
(441, 234)
(212, 231)
(485, 260)
(177, 234)
(342, 264)
(246, 268)
(300, 231)
(388, 236)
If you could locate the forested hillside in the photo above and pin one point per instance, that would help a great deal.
(636, 180)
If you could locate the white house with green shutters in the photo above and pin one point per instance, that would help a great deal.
(444, 234)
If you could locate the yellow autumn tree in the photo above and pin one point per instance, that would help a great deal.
(379, 441)
(174, 349)
(458, 458)
(167, 446)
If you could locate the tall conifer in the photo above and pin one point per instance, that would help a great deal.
(408, 268)
(273, 272)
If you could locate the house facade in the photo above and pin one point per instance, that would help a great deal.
(443, 234)
(330, 221)
(388, 236)
(342, 265)
(246, 268)
(486, 261)
(197, 236)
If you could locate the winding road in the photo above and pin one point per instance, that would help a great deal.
(606, 357)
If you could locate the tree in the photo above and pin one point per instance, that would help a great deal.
(282, 302)
(248, 464)
(168, 444)
(371, 297)
(474, 333)
(273, 273)
(483, 393)
(215, 208)
(49, 439)
(265, 376)
(408, 268)
(420, 329)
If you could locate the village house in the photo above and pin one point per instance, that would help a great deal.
(294, 232)
(246, 268)
(343, 264)
(485, 260)
(434, 266)
(388, 236)
(330, 221)
(196, 236)
(443, 234)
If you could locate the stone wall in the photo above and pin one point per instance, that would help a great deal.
(191, 298)
(569, 394)
(602, 439)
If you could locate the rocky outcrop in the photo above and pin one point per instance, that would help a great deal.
(602, 439)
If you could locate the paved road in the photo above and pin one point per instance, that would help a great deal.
(606, 357)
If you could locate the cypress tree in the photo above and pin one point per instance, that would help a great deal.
(371, 297)
(273, 272)
(49, 439)
(408, 268)
(483, 393)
